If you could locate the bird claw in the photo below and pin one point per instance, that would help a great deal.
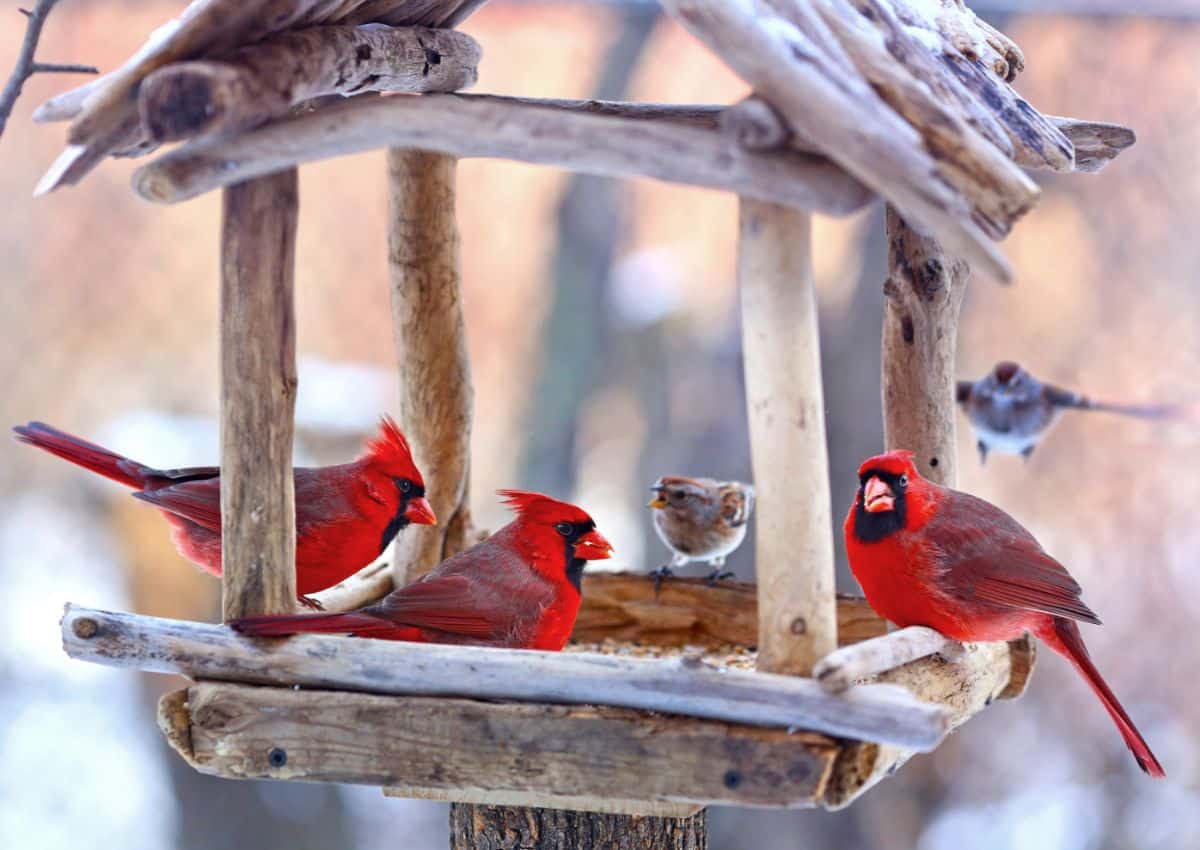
(310, 603)
(718, 575)
(658, 575)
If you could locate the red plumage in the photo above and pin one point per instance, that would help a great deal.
(519, 588)
(927, 555)
(345, 515)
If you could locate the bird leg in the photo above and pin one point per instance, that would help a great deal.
(982, 452)
(1026, 452)
(718, 573)
(667, 570)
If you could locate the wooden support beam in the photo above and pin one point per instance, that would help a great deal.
(436, 395)
(692, 612)
(558, 756)
(788, 56)
(682, 686)
(253, 84)
(797, 615)
(543, 133)
(484, 827)
(965, 685)
(924, 289)
(258, 396)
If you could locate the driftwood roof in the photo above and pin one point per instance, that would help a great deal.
(909, 100)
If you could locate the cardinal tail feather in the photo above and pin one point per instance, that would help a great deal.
(1066, 640)
(290, 624)
(82, 453)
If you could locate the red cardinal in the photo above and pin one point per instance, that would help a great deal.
(927, 555)
(519, 588)
(345, 515)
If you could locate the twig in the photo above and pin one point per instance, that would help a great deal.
(26, 67)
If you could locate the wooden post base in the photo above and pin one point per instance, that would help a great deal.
(475, 827)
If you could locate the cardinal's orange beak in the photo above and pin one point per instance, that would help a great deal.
(420, 512)
(877, 496)
(593, 547)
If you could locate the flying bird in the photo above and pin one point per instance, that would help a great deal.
(346, 515)
(700, 519)
(1010, 410)
(519, 588)
(927, 555)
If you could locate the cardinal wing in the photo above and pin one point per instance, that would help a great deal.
(989, 557)
(446, 603)
(198, 501)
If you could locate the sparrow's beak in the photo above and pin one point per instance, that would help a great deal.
(593, 547)
(420, 512)
(877, 496)
(658, 501)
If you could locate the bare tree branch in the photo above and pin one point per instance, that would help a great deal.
(26, 67)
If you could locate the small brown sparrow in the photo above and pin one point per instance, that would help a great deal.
(700, 520)
(1010, 410)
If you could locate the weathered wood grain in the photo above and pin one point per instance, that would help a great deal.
(265, 80)
(436, 395)
(676, 686)
(964, 685)
(489, 827)
(789, 61)
(924, 289)
(1096, 143)
(458, 746)
(797, 615)
(258, 396)
(542, 133)
(841, 668)
(213, 27)
(690, 611)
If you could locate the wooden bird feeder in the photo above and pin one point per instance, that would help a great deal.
(667, 710)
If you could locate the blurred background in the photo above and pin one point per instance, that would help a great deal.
(603, 327)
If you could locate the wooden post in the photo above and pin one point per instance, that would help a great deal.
(797, 621)
(431, 350)
(924, 291)
(476, 827)
(258, 396)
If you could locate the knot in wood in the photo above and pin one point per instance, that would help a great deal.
(277, 757)
(732, 779)
(798, 626)
(85, 628)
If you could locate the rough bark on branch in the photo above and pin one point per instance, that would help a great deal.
(924, 290)
(27, 65)
(486, 827)
(523, 130)
(263, 81)
(258, 396)
(840, 113)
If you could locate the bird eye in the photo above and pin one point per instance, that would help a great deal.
(564, 528)
(903, 480)
(677, 495)
(405, 485)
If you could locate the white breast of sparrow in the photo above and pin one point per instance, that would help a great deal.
(700, 519)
